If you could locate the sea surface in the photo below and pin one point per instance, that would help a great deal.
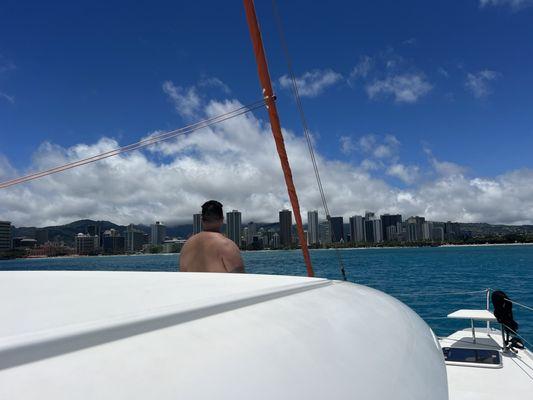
(432, 281)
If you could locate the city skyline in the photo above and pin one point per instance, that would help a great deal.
(367, 230)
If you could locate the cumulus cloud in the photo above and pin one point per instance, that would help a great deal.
(170, 181)
(406, 88)
(312, 83)
(388, 74)
(478, 83)
(186, 100)
(444, 168)
(514, 4)
(406, 173)
(374, 146)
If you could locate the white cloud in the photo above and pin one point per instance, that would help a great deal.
(312, 83)
(347, 145)
(406, 173)
(215, 82)
(375, 146)
(478, 83)
(186, 101)
(361, 70)
(406, 88)
(444, 168)
(236, 163)
(514, 4)
(5, 96)
(6, 170)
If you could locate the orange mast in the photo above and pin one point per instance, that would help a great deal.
(266, 86)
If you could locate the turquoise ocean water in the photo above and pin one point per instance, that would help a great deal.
(417, 276)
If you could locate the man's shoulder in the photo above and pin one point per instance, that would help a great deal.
(228, 244)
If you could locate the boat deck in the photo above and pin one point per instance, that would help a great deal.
(512, 380)
(166, 335)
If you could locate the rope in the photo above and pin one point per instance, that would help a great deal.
(518, 304)
(303, 119)
(143, 143)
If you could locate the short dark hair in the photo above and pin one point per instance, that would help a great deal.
(212, 211)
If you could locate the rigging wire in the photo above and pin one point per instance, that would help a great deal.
(518, 304)
(138, 145)
(303, 119)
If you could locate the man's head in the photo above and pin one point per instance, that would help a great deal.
(212, 215)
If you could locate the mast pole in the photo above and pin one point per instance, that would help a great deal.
(268, 94)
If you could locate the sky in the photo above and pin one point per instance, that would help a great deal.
(419, 108)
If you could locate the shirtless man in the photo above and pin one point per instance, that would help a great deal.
(210, 251)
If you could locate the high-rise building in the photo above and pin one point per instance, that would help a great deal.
(414, 229)
(95, 230)
(324, 231)
(438, 234)
(427, 230)
(133, 238)
(159, 231)
(373, 228)
(233, 226)
(312, 228)
(251, 231)
(452, 231)
(113, 243)
(378, 230)
(337, 229)
(87, 244)
(392, 233)
(275, 242)
(357, 228)
(196, 223)
(369, 230)
(5, 235)
(389, 220)
(285, 228)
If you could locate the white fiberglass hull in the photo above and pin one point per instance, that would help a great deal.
(127, 335)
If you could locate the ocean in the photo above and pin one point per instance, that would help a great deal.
(432, 281)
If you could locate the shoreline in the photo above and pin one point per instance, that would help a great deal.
(278, 250)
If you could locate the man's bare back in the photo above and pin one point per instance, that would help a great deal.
(210, 252)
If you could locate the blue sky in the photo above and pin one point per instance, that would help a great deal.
(402, 92)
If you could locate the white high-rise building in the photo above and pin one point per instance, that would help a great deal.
(233, 226)
(159, 231)
(427, 230)
(313, 237)
(378, 230)
(196, 223)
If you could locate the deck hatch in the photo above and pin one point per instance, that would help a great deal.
(471, 356)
